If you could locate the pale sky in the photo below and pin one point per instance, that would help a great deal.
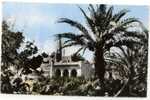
(38, 21)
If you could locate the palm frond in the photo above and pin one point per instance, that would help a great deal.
(79, 50)
(89, 21)
(92, 11)
(101, 9)
(125, 33)
(120, 61)
(108, 16)
(123, 51)
(108, 34)
(113, 55)
(117, 17)
(145, 30)
(74, 43)
(109, 13)
(128, 41)
(84, 51)
(113, 61)
(134, 34)
(123, 41)
(123, 59)
(69, 35)
(74, 24)
(77, 25)
(128, 21)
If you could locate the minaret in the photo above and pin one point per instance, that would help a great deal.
(59, 50)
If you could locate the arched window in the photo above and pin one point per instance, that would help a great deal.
(65, 73)
(57, 73)
(73, 73)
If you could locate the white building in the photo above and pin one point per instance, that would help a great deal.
(67, 68)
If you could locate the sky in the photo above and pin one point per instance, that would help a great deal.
(38, 21)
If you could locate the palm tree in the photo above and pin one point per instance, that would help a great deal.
(136, 59)
(128, 61)
(105, 29)
(134, 63)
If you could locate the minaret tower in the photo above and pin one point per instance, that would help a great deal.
(59, 50)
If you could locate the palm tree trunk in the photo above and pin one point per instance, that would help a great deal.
(99, 64)
(100, 68)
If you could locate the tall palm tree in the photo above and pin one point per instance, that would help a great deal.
(105, 29)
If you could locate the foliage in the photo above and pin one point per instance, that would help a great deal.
(67, 86)
(15, 63)
(131, 61)
(11, 41)
(44, 54)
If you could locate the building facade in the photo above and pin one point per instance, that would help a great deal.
(67, 68)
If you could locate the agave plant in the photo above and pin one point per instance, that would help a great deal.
(105, 29)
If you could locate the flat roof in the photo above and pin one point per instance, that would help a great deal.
(72, 64)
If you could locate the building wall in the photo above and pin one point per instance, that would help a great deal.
(82, 68)
(46, 69)
(87, 70)
(73, 66)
